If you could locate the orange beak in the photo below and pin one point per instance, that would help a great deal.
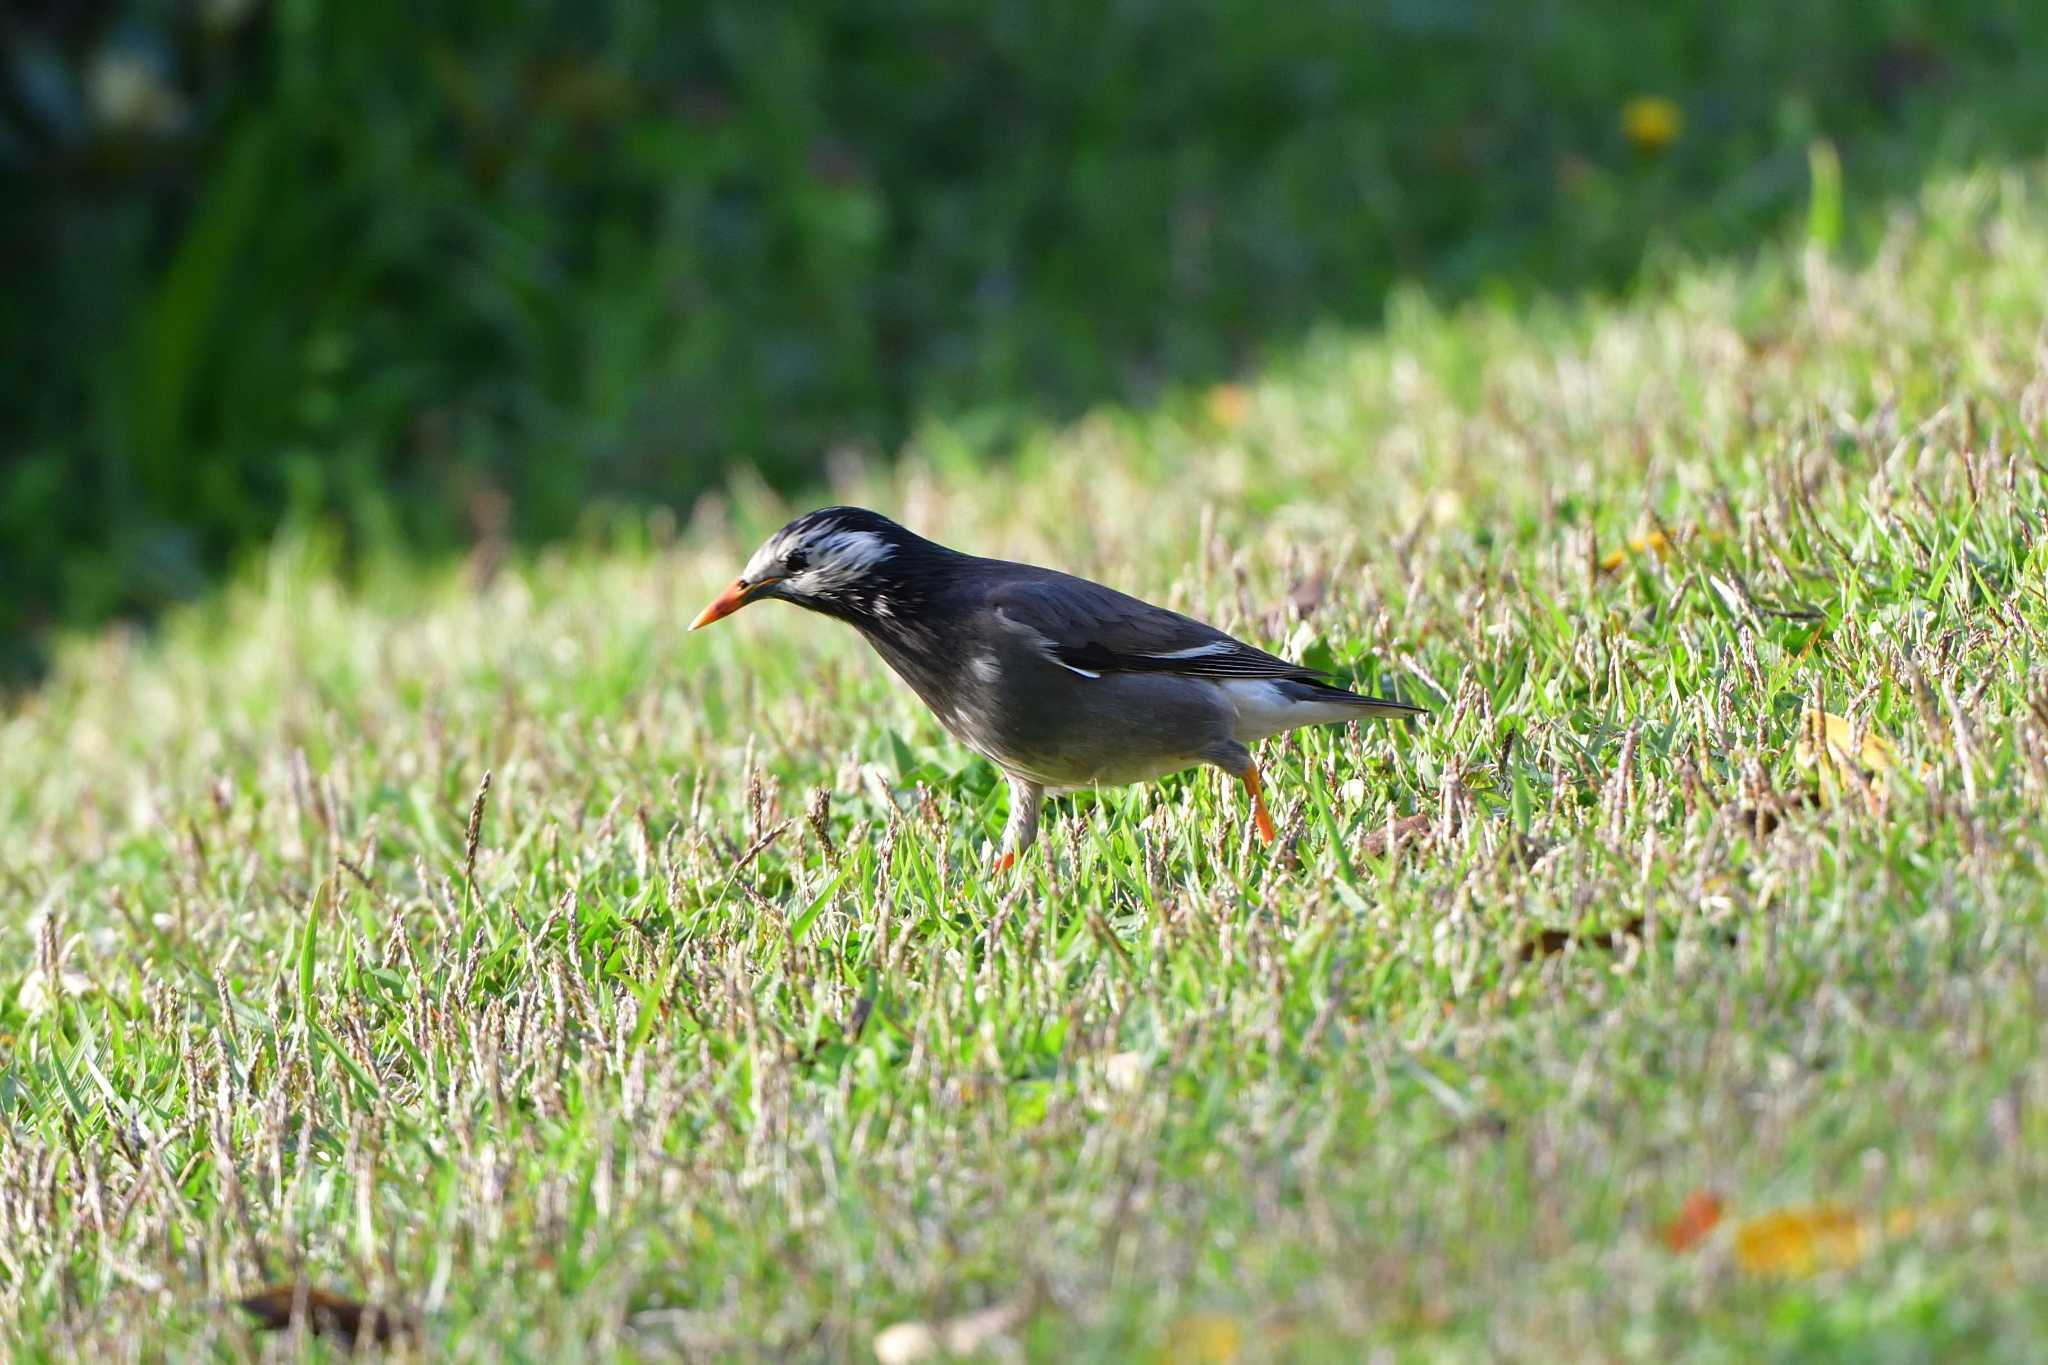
(737, 594)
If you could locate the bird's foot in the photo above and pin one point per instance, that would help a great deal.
(1003, 863)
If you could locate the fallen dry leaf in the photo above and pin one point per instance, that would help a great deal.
(907, 1343)
(1696, 1217)
(327, 1314)
(1760, 820)
(1551, 942)
(1376, 844)
(1297, 606)
(1307, 594)
(1203, 1339)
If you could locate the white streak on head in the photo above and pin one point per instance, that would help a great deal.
(837, 559)
(983, 666)
(766, 560)
(833, 558)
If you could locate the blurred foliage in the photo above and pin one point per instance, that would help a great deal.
(458, 271)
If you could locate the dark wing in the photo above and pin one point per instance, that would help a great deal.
(1094, 630)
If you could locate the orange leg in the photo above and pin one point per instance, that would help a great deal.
(1250, 778)
(1003, 864)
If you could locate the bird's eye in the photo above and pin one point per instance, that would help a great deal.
(795, 562)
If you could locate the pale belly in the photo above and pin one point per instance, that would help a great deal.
(1076, 779)
(1067, 730)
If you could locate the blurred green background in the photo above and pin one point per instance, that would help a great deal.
(476, 271)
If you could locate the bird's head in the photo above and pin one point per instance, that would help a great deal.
(838, 560)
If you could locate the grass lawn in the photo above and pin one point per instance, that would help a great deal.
(704, 1034)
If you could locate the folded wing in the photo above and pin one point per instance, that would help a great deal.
(1093, 630)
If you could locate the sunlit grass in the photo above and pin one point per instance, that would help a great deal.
(720, 1042)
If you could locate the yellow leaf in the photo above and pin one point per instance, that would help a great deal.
(1800, 1241)
(1805, 1239)
(1655, 543)
(1204, 1339)
(1826, 744)
(1651, 123)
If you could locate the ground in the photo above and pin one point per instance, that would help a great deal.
(705, 1031)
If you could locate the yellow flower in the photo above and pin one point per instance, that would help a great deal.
(1651, 123)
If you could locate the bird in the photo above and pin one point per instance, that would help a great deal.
(1060, 682)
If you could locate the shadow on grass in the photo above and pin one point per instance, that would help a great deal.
(435, 283)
